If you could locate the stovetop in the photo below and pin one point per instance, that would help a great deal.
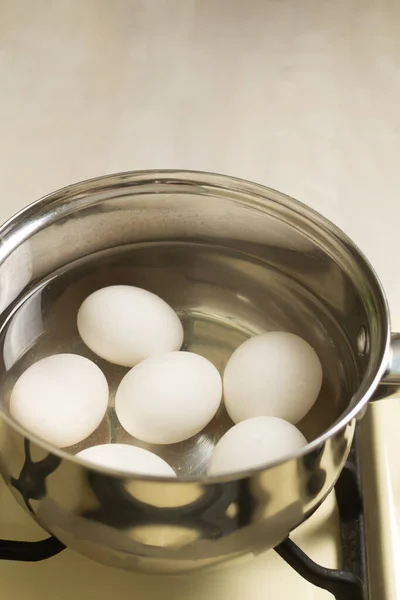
(350, 582)
(350, 546)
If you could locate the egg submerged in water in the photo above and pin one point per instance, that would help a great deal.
(169, 398)
(254, 443)
(273, 374)
(124, 457)
(125, 325)
(61, 398)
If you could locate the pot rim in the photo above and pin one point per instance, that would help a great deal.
(41, 212)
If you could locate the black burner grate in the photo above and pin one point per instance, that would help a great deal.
(30, 551)
(351, 582)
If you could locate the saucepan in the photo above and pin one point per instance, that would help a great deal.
(234, 259)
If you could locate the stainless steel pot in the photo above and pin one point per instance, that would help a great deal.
(266, 261)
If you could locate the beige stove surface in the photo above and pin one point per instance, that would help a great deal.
(70, 576)
(301, 96)
(380, 446)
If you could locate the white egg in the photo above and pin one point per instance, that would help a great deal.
(275, 374)
(168, 398)
(254, 443)
(62, 398)
(126, 458)
(126, 324)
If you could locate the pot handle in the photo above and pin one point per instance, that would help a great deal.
(392, 375)
(389, 386)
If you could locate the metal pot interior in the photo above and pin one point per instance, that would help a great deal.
(233, 259)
